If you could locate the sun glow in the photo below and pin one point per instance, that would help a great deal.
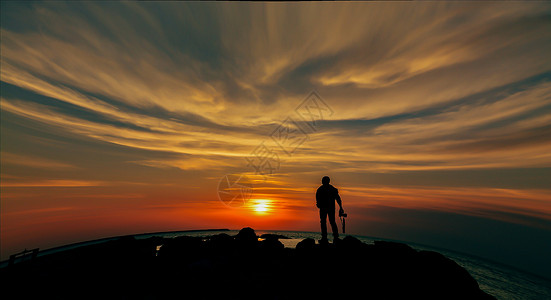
(261, 206)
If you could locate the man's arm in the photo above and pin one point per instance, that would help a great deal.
(318, 199)
(338, 198)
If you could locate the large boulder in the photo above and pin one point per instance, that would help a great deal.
(246, 239)
(271, 243)
(246, 235)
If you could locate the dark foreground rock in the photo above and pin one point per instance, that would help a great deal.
(240, 267)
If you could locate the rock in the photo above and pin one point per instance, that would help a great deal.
(246, 239)
(180, 248)
(271, 245)
(240, 267)
(271, 242)
(222, 238)
(219, 243)
(306, 244)
(445, 275)
(351, 242)
(246, 235)
(393, 248)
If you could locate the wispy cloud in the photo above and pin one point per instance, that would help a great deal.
(123, 74)
(53, 183)
(35, 162)
(487, 202)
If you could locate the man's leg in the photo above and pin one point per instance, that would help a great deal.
(333, 224)
(323, 217)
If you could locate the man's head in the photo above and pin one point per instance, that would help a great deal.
(325, 180)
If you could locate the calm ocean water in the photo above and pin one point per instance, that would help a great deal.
(498, 280)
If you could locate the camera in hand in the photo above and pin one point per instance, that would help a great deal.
(342, 216)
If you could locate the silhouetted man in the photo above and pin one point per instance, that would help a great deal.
(325, 201)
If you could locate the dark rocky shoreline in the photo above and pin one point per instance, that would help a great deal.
(240, 267)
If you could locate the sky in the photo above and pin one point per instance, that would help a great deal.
(432, 119)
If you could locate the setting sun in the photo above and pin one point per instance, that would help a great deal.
(261, 205)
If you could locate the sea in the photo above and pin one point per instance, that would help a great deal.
(498, 280)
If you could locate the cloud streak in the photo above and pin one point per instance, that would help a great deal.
(107, 75)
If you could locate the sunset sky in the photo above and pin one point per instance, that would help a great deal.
(433, 120)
